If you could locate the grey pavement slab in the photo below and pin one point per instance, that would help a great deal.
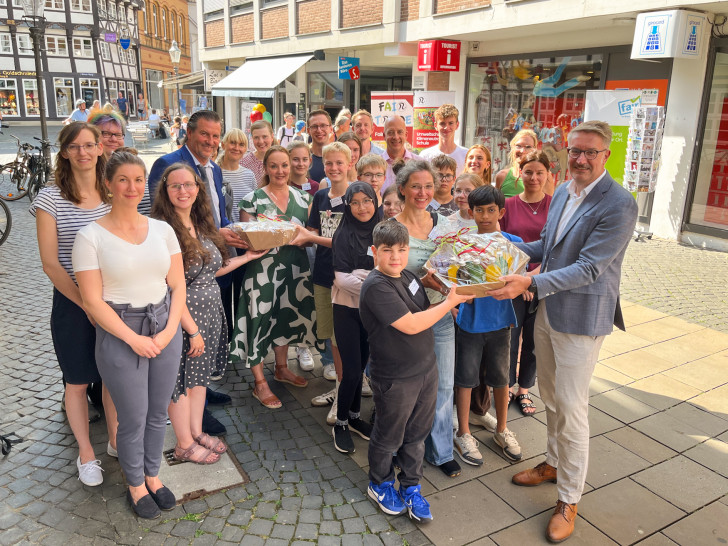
(713, 454)
(704, 373)
(609, 462)
(640, 444)
(533, 531)
(709, 525)
(660, 391)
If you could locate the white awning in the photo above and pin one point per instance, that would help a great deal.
(259, 77)
(182, 80)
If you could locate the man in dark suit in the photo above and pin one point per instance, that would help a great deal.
(581, 249)
(204, 129)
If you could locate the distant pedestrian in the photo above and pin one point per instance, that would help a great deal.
(286, 132)
(123, 105)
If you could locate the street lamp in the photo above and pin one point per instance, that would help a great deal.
(174, 54)
(34, 13)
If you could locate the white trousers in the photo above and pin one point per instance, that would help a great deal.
(565, 363)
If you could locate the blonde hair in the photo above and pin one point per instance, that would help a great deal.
(370, 160)
(296, 144)
(447, 111)
(335, 147)
(233, 135)
(273, 149)
(600, 128)
(512, 153)
(487, 173)
(474, 179)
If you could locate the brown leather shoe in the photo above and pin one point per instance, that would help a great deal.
(535, 476)
(561, 524)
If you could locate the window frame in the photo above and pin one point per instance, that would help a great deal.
(56, 51)
(82, 42)
(8, 38)
(81, 6)
(23, 50)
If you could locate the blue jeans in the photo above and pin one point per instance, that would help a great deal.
(438, 446)
(327, 357)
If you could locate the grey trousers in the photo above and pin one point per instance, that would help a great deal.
(141, 388)
(405, 412)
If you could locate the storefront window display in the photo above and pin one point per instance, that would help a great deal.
(8, 97)
(710, 201)
(32, 104)
(546, 95)
(325, 90)
(89, 90)
(64, 96)
(112, 91)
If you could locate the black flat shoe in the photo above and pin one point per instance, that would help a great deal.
(217, 398)
(451, 469)
(144, 508)
(163, 498)
(210, 425)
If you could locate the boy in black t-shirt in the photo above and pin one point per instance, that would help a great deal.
(398, 318)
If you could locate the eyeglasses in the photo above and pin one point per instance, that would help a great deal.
(445, 177)
(189, 186)
(428, 187)
(107, 134)
(460, 191)
(574, 153)
(519, 147)
(76, 148)
(369, 176)
(318, 127)
(361, 204)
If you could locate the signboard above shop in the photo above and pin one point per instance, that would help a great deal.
(678, 34)
(349, 68)
(438, 56)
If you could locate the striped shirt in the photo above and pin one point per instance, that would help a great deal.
(242, 183)
(251, 162)
(69, 219)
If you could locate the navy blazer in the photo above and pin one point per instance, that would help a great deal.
(183, 155)
(584, 265)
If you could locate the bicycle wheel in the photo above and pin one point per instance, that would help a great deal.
(6, 222)
(37, 182)
(13, 183)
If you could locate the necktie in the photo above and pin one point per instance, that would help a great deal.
(210, 188)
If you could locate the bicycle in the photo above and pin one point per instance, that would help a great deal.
(6, 222)
(39, 168)
(14, 176)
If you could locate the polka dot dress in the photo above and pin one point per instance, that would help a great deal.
(205, 305)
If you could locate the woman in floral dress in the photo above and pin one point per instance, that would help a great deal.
(276, 306)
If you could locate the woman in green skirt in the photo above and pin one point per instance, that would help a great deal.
(276, 305)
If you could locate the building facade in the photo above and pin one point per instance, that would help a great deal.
(80, 60)
(521, 64)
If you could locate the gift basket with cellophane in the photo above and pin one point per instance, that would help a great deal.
(474, 262)
(269, 231)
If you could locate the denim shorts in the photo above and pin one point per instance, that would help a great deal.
(483, 358)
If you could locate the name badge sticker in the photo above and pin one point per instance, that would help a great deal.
(414, 287)
(433, 233)
(306, 186)
(336, 201)
(369, 252)
(434, 204)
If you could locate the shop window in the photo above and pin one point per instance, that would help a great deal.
(325, 89)
(63, 88)
(105, 51)
(32, 101)
(89, 90)
(546, 95)
(57, 45)
(54, 4)
(25, 47)
(710, 202)
(113, 91)
(83, 47)
(81, 5)
(6, 43)
(8, 97)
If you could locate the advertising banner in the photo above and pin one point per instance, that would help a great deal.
(388, 103)
(348, 68)
(425, 104)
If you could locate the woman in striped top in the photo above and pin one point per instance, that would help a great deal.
(240, 179)
(61, 210)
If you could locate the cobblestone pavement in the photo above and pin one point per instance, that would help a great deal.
(302, 491)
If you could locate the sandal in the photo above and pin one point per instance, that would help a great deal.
(196, 454)
(213, 443)
(511, 397)
(270, 402)
(525, 402)
(297, 380)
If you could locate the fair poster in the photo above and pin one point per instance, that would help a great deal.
(386, 104)
(614, 107)
(425, 104)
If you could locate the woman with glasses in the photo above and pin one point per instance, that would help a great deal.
(477, 161)
(261, 133)
(129, 271)
(112, 127)
(75, 198)
(509, 179)
(182, 202)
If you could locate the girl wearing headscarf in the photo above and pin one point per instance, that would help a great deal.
(352, 263)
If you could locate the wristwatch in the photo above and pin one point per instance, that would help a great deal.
(533, 289)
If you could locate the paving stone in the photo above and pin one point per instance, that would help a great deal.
(283, 531)
(240, 517)
(306, 531)
(261, 527)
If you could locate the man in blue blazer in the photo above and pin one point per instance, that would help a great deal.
(204, 129)
(581, 249)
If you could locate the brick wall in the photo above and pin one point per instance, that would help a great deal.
(274, 22)
(242, 28)
(449, 6)
(355, 13)
(409, 10)
(313, 16)
(215, 33)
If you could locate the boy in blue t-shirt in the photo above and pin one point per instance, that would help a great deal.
(484, 343)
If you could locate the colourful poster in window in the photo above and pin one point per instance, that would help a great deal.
(386, 104)
(426, 102)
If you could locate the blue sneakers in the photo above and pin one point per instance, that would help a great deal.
(416, 504)
(386, 496)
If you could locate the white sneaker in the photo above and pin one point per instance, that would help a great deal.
(455, 423)
(111, 452)
(330, 372)
(488, 421)
(305, 358)
(366, 386)
(467, 447)
(324, 399)
(507, 442)
(90, 473)
(331, 417)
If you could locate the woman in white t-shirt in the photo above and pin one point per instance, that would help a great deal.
(129, 271)
(76, 199)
